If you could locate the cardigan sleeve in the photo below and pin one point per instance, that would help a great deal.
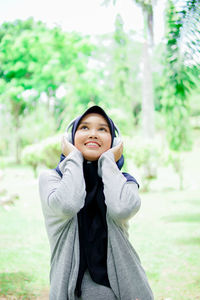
(64, 196)
(121, 196)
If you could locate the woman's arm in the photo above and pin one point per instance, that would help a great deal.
(64, 196)
(121, 196)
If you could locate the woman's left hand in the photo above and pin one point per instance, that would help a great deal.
(117, 151)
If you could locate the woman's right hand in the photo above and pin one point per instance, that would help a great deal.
(66, 146)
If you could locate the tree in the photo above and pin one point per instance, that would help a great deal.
(121, 70)
(122, 73)
(178, 78)
(35, 61)
(147, 88)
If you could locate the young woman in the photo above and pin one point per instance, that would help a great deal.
(87, 202)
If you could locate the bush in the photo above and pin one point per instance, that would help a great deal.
(146, 157)
(45, 153)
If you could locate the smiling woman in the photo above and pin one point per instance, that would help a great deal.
(87, 202)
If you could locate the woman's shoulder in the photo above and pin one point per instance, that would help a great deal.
(130, 178)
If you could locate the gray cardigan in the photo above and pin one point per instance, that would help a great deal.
(62, 198)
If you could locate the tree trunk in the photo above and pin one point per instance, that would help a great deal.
(15, 112)
(147, 81)
(17, 147)
(147, 94)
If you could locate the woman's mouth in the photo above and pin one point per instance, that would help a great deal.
(92, 145)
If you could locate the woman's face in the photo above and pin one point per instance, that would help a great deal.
(92, 137)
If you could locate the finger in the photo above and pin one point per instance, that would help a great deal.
(121, 147)
(118, 146)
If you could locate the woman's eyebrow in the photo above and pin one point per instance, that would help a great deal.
(100, 124)
(84, 122)
(103, 125)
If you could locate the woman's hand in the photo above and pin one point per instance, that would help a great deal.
(66, 146)
(117, 151)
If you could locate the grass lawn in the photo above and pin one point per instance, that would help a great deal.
(165, 233)
(24, 250)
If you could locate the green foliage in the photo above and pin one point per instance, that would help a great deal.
(45, 153)
(121, 64)
(176, 161)
(36, 126)
(48, 77)
(35, 61)
(123, 88)
(190, 33)
(38, 57)
(177, 84)
(123, 119)
(146, 157)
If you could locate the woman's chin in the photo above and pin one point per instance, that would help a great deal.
(93, 157)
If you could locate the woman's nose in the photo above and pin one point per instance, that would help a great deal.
(93, 133)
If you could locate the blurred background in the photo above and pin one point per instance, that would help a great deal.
(139, 60)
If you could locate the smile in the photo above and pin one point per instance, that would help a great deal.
(92, 144)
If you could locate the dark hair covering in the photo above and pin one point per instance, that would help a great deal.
(92, 224)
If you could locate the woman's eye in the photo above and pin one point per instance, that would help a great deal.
(102, 129)
(84, 127)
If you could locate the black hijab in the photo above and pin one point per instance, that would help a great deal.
(92, 225)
